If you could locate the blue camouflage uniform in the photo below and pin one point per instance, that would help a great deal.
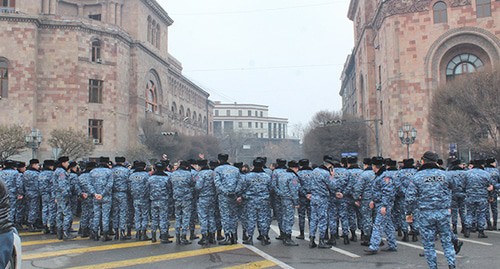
(275, 199)
(256, 191)
(305, 174)
(338, 207)
(322, 184)
(194, 208)
(49, 208)
(287, 189)
(430, 193)
(32, 194)
(457, 175)
(75, 192)
(61, 191)
(160, 189)
(354, 173)
(139, 191)
(205, 187)
(403, 177)
(9, 176)
(383, 193)
(84, 181)
(102, 183)
(362, 193)
(493, 204)
(476, 183)
(21, 204)
(120, 190)
(226, 182)
(183, 191)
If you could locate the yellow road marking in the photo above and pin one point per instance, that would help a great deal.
(252, 265)
(159, 258)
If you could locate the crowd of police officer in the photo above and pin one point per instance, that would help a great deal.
(338, 198)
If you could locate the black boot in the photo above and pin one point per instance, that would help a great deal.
(184, 240)
(227, 240)
(244, 235)
(164, 239)
(67, 235)
(32, 229)
(488, 225)
(400, 233)
(354, 238)
(145, 236)
(455, 231)
(346, 239)
(85, 232)
(53, 229)
(281, 236)
(405, 237)
(265, 240)
(301, 236)
(169, 236)
(289, 242)
(332, 241)
(105, 237)
(211, 238)
(122, 235)
(219, 235)
(260, 237)
(153, 237)
(495, 225)
(117, 234)
(414, 237)
(60, 234)
(46, 229)
(366, 241)
(178, 239)
(192, 235)
(96, 236)
(248, 241)
(312, 244)
(457, 245)
(466, 233)
(337, 235)
(323, 244)
(129, 233)
(481, 234)
(204, 240)
(451, 267)
(234, 238)
(138, 235)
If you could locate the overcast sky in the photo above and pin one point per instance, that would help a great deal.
(287, 54)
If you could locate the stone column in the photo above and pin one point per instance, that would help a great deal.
(119, 8)
(53, 7)
(80, 10)
(45, 6)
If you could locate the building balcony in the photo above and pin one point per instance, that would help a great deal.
(8, 10)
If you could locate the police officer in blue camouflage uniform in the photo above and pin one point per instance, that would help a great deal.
(362, 194)
(49, 209)
(73, 170)
(457, 174)
(87, 215)
(275, 202)
(305, 174)
(194, 209)
(9, 175)
(160, 190)
(477, 185)
(354, 173)
(32, 193)
(21, 205)
(120, 192)
(138, 186)
(288, 190)
(102, 188)
(404, 177)
(383, 192)
(61, 190)
(205, 187)
(338, 206)
(491, 168)
(322, 185)
(218, 223)
(226, 180)
(183, 190)
(430, 191)
(256, 191)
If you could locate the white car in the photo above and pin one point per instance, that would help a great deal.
(15, 260)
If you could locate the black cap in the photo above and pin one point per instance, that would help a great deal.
(34, 161)
(367, 161)
(103, 159)
(160, 166)
(72, 164)
(49, 163)
(120, 159)
(213, 164)
(222, 157)
(281, 162)
(408, 162)
(9, 163)
(393, 163)
(202, 163)
(328, 159)
(456, 162)
(440, 161)
(166, 162)
(430, 156)
(140, 164)
(477, 162)
(184, 164)
(193, 162)
(304, 162)
(293, 164)
(352, 159)
(20, 164)
(490, 160)
(63, 159)
(377, 161)
(90, 165)
(258, 163)
(238, 165)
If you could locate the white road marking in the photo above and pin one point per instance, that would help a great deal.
(268, 257)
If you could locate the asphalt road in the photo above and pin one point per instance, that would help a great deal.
(42, 251)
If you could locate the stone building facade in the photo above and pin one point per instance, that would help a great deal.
(100, 66)
(403, 51)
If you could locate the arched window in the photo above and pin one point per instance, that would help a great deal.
(440, 12)
(194, 116)
(188, 113)
(462, 64)
(153, 33)
(181, 111)
(483, 8)
(173, 108)
(149, 28)
(96, 51)
(4, 78)
(158, 35)
(151, 97)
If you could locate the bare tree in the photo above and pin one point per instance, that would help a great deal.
(11, 140)
(330, 133)
(73, 143)
(466, 111)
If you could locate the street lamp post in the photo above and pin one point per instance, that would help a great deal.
(407, 134)
(33, 141)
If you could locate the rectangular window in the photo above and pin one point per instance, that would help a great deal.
(4, 79)
(256, 113)
(5, 3)
(228, 112)
(249, 124)
(95, 91)
(240, 113)
(216, 113)
(261, 114)
(261, 125)
(256, 125)
(96, 51)
(240, 124)
(95, 130)
(249, 113)
(96, 17)
(483, 8)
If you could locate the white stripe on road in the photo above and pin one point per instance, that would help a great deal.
(268, 257)
(421, 248)
(306, 237)
(475, 242)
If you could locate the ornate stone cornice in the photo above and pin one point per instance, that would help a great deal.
(19, 18)
(185, 80)
(159, 11)
(352, 9)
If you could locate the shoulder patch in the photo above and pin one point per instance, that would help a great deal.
(387, 180)
(294, 182)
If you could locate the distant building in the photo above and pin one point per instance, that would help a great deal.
(403, 51)
(101, 66)
(250, 119)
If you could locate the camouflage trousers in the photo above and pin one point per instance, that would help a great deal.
(120, 210)
(183, 211)
(63, 217)
(206, 214)
(33, 207)
(432, 222)
(102, 211)
(319, 216)
(383, 224)
(159, 216)
(228, 212)
(303, 211)
(87, 212)
(288, 217)
(141, 214)
(49, 210)
(258, 211)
